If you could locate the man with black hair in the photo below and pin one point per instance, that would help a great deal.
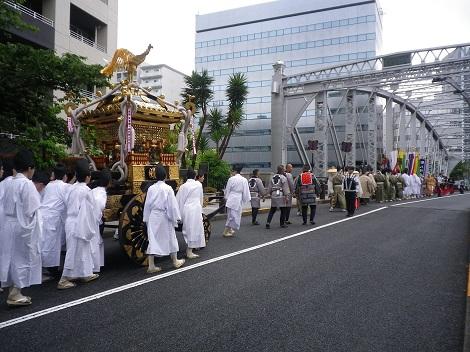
(20, 258)
(257, 192)
(40, 180)
(236, 194)
(279, 190)
(190, 198)
(290, 183)
(308, 189)
(161, 214)
(54, 214)
(78, 259)
(351, 187)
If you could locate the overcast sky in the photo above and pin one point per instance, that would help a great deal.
(169, 25)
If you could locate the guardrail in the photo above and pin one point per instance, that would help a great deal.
(87, 41)
(29, 12)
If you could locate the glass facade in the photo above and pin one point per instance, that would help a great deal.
(308, 39)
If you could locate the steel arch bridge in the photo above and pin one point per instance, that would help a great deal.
(416, 101)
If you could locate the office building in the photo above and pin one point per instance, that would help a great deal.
(304, 34)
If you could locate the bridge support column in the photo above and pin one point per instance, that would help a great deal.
(413, 143)
(321, 116)
(401, 138)
(278, 118)
(350, 127)
(372, 127)
(388, 127)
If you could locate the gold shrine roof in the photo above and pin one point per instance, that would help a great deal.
(110, 111)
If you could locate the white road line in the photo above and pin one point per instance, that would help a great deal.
(428, 199)
(171, 273)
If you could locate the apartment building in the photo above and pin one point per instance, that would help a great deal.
(84, 27)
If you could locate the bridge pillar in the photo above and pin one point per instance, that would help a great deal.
(372, 127)
(350, 127)
(388, 127)
(422, 138)
(413, 143)
(321, 128)
(401, 138)
(278, 118)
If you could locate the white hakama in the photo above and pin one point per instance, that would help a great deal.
(97, 247)
(190, 198)
(78, 259)
(161, 214)
(20, 257)
(237, 193)
(53, 213)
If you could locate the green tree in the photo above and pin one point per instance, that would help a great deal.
(237, 91)
(199, 86)
(461, 170)
(219, 170)
(10, 18)
(217, 127)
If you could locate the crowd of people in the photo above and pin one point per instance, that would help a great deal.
(348, 188)
(42, 216)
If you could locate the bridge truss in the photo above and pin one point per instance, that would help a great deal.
(416, 101)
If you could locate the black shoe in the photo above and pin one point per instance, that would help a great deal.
(312, 222)
(255, 223)
(268, 226)
(304, 223)
(284, 226)
(288, 222)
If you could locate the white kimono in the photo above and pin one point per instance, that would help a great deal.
(97, 247)
(416, 184)
(78, 260)
(407, 188)
(237, 193)
(53, 214)
(20, 257)
(190, 199)
(161, 214)
(4, 237)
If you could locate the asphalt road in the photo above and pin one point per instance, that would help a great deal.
(391, 280)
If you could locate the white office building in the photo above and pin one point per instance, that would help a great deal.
(304, 34)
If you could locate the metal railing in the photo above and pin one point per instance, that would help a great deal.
(29, 12)
(87, 41)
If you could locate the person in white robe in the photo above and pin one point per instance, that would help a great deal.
(41, 180)
(161, 216)
(78, 262)
(53, 214)
(99, 198)
(237, 193)
(416, 185)
(20, 257)
(407, 187)
(6, 176)
(190, 198)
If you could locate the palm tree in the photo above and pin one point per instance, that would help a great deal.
(199, 86)
(237, 91)
(217, 127)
